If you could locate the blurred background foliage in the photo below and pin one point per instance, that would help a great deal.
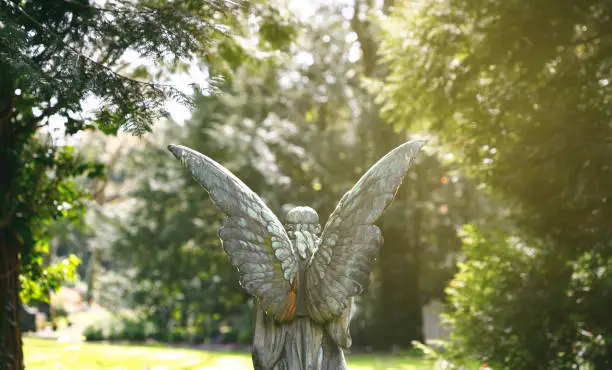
(504, 218)
(291, 126)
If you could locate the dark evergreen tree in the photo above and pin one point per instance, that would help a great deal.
(54, 54)
(521, 91)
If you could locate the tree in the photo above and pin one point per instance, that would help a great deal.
(170, 241)
(521, 92)
(297, 127)
(52, 56)
(421, 243)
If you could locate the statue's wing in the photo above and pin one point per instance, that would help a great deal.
(252, 236)
(350, 241)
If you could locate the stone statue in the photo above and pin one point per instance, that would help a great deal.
(304, 280)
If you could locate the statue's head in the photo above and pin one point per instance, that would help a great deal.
(303, 219)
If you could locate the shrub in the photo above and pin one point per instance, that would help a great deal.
(133, 330)
(59, 312)
(178, 335)
(93, 334)
(121, 328)
(161, 335)
(519, 306)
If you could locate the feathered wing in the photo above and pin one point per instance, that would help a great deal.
(340, 269)
(252, 236)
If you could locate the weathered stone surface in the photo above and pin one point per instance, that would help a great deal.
(304, 279)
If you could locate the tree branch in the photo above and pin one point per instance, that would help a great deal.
(368, 46)
(155, 86)
(109, 10)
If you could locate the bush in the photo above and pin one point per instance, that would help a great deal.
(127, 328)
(94, 334)
(58, 313)
(178, 335)
(121, 329)
(519, 306)
(137, 330)
(161, 335)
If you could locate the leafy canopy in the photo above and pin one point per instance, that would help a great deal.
(521, 91)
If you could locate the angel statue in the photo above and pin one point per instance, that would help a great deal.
(304, 280)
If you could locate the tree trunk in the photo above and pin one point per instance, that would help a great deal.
(11, 355)
(92, 276)
(399, 309)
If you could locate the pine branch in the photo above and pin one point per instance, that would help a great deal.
(133, 104)
(109, 10)
(79, 55)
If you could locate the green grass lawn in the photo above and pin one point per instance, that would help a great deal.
(51, 354)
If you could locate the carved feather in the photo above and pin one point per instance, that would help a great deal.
(252, 236)
(350, 241)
